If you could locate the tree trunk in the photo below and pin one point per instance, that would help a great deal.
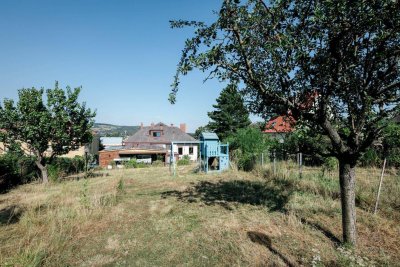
(43, 170)
(347, 176)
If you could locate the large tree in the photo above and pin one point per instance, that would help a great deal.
(332, 65)
(230, 113)
(47, 129)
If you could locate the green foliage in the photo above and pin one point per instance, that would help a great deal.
(84, 198)
(184, 161)
(330, 164)
(200, 130)
(120, 190)
(391, 144)
(247, 144)
(302, 57)
(53, 172)
(142, 165)
(371, 158)
(16, 168)
(230, 114)
(132, 163)
(389, 147)
(61, 123)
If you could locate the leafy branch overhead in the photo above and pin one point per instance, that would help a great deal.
(333, 66)
(331, 63)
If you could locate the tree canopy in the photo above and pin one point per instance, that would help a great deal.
(46, 129)
(230, 113)
(332, 65)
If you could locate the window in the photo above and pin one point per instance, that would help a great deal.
(180, 150)
(191, 150)
(156, 134)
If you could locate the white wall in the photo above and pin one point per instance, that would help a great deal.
(185, 151)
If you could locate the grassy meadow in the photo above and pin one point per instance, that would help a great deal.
(146, 217)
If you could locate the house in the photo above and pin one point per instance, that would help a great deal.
(279, 126)
(154, 142)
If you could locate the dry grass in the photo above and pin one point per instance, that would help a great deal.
(145, 217)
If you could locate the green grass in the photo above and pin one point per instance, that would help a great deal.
(146, 217)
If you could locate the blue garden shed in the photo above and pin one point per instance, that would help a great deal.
(214, 156)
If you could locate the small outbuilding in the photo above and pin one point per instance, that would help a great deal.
(214, 156)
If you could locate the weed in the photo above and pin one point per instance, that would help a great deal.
(120, 189)
(84, 198)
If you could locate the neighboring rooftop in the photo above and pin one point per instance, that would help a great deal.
(111, 141)
(280, 124)
(159, 133)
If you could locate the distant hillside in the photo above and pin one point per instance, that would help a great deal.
(104, 129)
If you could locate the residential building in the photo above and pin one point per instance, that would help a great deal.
(280, 126)
(154, 142)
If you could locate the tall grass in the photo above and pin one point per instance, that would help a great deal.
(146, 217)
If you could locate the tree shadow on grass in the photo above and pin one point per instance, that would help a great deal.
(328, 234)
(266, 241)
(225, 193)
(10, 215)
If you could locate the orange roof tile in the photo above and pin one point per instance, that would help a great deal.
(280, 124)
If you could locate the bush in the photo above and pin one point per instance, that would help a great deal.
(132, 163)
(247, 162)
(16, 168)
(246, 145)
(370, 158)
(61, 167)
(330, 164)
(53, 172)
(184, 161)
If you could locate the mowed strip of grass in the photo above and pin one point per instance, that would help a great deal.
(146, 217)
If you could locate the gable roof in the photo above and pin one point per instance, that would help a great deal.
(168, 135)
(280, 124)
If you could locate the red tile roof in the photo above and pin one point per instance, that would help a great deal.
(280, 124)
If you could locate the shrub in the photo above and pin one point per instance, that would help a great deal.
(61, 167)
(184, 161)
(370, 158)
(132, 163)
(330, 164)
(16, 168)
(246, 145)
(53, 172)
(247, 162)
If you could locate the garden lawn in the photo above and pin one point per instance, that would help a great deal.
(146, 217)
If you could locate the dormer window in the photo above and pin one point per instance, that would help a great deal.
(156, 133)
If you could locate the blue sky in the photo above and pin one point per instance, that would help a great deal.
(123, 54)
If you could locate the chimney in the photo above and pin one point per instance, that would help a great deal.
(172, 125)
(141, 125)
(182, 126)
(152, 124)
